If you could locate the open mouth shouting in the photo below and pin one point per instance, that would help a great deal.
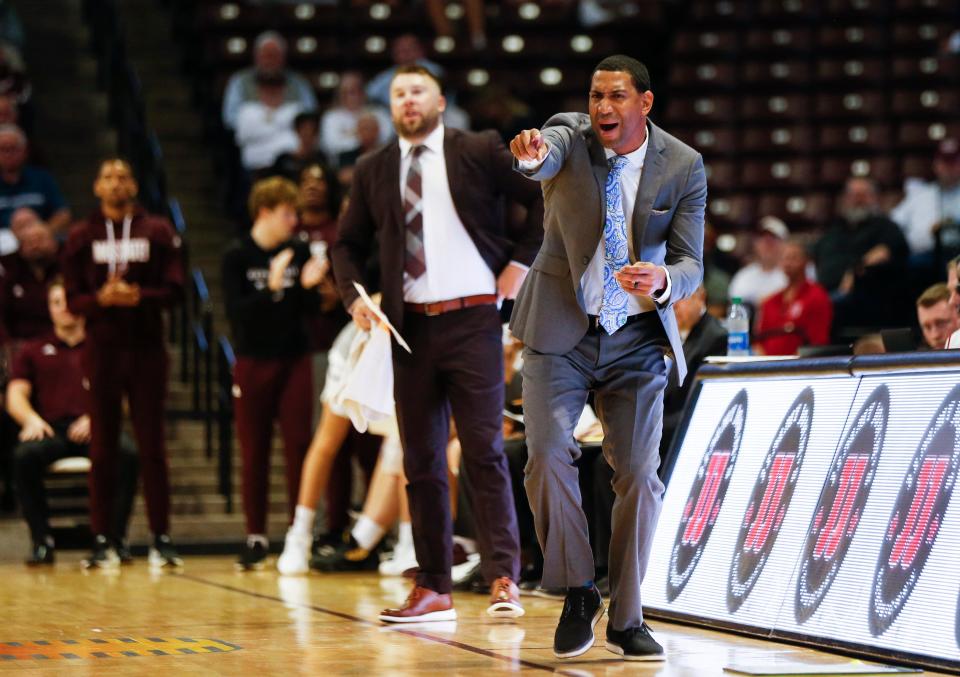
(608, 129)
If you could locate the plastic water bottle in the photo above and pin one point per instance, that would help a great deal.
(738, 330)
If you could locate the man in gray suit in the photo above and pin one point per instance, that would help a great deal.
(624, 211)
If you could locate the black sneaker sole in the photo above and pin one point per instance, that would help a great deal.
(586, 646)
(613, 647)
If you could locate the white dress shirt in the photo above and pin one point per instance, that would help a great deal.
(925, 204)
(454, 266)
(592, 281)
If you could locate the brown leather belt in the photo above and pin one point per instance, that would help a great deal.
(441, 307)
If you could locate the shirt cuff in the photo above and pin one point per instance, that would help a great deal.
(519, 265)
(529, 165)
(662, 298)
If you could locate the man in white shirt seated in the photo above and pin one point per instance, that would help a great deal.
(763, 277)
(932, 209)
(270, 61)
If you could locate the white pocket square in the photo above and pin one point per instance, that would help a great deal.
(658, 212)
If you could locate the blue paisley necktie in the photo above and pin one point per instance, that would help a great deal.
(613, 309)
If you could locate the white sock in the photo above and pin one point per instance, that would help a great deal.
(367, 533)
(253, 539)
(404, 536)
(303, 521)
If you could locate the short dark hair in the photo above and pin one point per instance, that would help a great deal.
(310, 116)
(416, 69)
(627, 64)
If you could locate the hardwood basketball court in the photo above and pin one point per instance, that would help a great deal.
(213, 620)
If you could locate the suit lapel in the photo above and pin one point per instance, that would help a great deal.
(600, 168)
(650, 180)
(391, 182)
(451, 156)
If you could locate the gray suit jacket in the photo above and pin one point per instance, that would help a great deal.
(667, 227)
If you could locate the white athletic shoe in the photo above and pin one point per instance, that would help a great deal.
(403, 557)
(295, 559)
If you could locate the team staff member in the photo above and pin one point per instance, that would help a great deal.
(123, 268)
(48, 397)
(269, 284)
(623, 242)
(435, 201)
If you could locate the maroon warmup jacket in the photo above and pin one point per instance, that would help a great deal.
(153, 261)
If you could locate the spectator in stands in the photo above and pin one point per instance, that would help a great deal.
(269, 65)
(23, 185)
(368, 138)
(406, 50)
(800, 315)
(122, 268)
(718, 270)
(495, 107)
(763, 276)
(931, 210)
(48, 397)
(265, 125)
(861, 261)
(24, 278)
(269, 282)
(290, 165)
(340, 131)
(936, 317)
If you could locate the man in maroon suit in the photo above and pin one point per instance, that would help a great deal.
(123, 268)
(435, 201)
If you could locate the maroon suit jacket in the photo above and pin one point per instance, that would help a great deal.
(481, 178)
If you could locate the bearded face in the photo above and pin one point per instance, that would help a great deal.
(415, 105)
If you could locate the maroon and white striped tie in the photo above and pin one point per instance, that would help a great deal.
(415, 263)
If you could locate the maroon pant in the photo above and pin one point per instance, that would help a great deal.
(456, 366)
(265, 390)
(141, 374)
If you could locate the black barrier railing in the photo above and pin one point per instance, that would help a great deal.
(202, 326)
(180, 319)
(225, 362)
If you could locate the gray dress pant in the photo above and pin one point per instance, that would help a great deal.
(627, 371)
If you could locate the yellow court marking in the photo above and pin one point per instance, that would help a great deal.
(115, 647)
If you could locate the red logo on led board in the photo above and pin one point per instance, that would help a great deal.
(841, 504)
(912, 531)
(706, 495)
(770, 500)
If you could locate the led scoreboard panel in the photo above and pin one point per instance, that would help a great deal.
(819, 509)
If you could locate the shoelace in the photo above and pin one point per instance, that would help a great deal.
(568, 607)
(501, 589)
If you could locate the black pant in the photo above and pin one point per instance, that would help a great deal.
(30, 462)
(456, 365)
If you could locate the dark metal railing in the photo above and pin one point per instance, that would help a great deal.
(225, 361)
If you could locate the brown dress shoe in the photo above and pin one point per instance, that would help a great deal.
(504, 599)
(422, 605)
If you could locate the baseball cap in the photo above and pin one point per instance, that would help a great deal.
(775, 227)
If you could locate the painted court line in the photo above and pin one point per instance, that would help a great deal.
(515, 662)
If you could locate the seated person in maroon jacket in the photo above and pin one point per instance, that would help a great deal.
(122, 268)
(270, 285)
(24, 277)
(49, 398)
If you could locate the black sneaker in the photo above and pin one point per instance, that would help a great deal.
(40, 555)
(122, 548)
(582, 608)
(163, 555)
(635, 644)
(103, 555)
(348, 557)
(253, 555)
